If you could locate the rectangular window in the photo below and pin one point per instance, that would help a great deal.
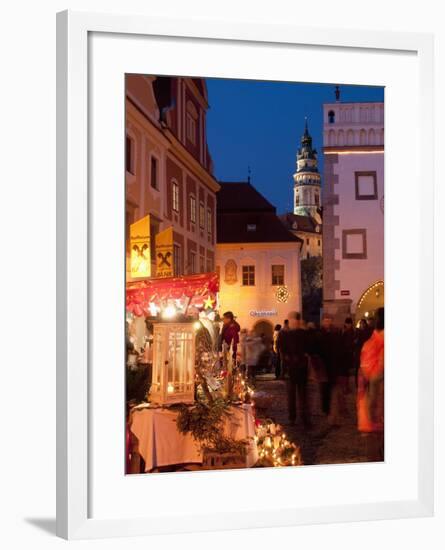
(154, 173)
(201, 264)
(278, 275)
(365, 186)
(192, 209)
(209, 265)
(209, 221)
(248, 275)
(192, 262)
(307, 241)
(319, 242)
(354, 244)
(177, 265)
(201, 215)
(129, 155)
(191, 128)
(154, 230)
(175, 192)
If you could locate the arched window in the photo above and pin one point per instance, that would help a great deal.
(371, 137)
(331, 117)
(350, 138)
(341, 138)
(363, 137)
(331, 138)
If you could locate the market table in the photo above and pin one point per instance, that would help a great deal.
(161, 444)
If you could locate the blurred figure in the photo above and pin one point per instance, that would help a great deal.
(329, 352)
(317, 370)
(276, 359)
(252, 349)
(362, 333)
(285, 324)
(293, 346)
(370, 392)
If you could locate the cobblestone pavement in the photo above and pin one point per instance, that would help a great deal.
(322, 444)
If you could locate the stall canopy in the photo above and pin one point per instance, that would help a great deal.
(188, 294)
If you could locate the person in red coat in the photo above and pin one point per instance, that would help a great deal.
(230, 332)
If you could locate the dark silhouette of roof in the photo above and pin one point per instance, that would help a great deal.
(240, 196)
(296, 222)
(244, 215)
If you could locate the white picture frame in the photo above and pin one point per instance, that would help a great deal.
(76, 395)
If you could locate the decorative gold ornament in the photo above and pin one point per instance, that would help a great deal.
(282, 294)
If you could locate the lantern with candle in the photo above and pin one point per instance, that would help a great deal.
(173, 363)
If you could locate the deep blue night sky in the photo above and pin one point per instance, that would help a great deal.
(260, 123)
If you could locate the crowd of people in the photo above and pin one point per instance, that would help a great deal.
(340, 361)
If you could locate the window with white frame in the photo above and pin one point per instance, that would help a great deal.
(191, 122)
(278, 274)
(248, 275)
(175, 195)
(192, 208)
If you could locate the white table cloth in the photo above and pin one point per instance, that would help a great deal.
(161, 444)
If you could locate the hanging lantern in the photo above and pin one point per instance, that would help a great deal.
(173, 363)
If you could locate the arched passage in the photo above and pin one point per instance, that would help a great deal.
(371, 299)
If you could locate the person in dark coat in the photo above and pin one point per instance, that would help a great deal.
(293, 347)
(329, 352)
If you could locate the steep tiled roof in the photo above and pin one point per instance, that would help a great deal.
(244, 215)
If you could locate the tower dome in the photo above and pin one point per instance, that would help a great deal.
(307, 179)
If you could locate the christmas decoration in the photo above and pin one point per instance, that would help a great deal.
(274, 448)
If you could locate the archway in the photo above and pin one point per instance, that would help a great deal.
(265, 328)
(370, 301)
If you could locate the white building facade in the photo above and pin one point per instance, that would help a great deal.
(353, 204)
(257, 258)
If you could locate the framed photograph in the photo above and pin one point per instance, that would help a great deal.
(241, 209)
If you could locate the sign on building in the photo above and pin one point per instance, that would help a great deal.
(164, 253)
(140, 263)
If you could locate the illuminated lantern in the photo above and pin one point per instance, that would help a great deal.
(173, 378)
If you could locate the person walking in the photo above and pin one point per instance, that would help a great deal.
(293, 346)
(371, 379)
(253, 347)
(362, 334)
(276, 359)
(329, 349)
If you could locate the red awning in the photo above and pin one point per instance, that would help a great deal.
(192, 291)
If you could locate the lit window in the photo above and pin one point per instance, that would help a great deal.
(201, 215)
(192, 209)
(175, 192)
(251, 227)
(248, 275)
(278, 274)
(154, 173)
